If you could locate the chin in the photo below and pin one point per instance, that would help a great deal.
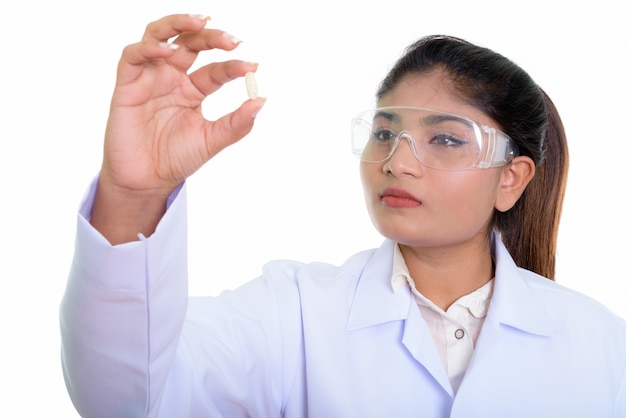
(399, 233)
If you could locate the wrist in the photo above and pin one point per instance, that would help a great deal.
(120, 214)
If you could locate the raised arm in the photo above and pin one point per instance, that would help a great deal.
(124, 307)
(156, 134)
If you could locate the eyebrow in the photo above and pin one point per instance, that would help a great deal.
(435, 119)
(385, 115)
(429, 120)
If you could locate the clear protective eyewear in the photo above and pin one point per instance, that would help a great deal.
(439, 140)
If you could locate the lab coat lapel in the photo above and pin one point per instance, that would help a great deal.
(514, 309)
(376, 303)
(514, 303)
(419, 341)
(374, 299)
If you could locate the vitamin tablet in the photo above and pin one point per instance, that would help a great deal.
(251, 86)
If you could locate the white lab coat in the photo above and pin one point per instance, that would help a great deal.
(315, 340)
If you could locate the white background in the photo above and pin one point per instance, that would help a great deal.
(291, 189)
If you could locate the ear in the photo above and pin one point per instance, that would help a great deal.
(515, 177)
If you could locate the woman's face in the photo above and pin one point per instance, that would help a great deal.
(421, 206)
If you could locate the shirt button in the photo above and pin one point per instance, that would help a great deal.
(459, 333)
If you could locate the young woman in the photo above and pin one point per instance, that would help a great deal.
(463, 167)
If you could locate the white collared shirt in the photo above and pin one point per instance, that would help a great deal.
(454, 331)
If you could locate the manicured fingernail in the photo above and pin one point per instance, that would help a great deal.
(201, 17)
(262, 103)
(206, 18)
(231, 38)
(168, 45)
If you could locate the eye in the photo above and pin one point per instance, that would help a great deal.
(447, 140)
(383, 135)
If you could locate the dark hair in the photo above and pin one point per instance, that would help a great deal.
(506, 93)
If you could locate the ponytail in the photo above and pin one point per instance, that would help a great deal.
(529, 230)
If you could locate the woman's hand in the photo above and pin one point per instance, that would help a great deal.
(156, 134)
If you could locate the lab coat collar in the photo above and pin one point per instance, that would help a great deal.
(513, 302)
(375, 302)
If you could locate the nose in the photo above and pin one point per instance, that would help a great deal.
(403, 158)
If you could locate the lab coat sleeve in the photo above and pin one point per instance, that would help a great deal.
(620, 409)
(122, 314)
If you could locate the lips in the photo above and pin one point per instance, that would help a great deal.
(398, 198)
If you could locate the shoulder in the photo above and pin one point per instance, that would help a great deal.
(285, 276)
(520, 292)
(279, 293)
(290, 269)
(566, 305)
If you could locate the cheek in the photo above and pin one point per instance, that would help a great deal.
(369, 178)
(368, 175)
(472, 192)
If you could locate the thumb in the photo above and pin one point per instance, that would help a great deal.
(232, 127)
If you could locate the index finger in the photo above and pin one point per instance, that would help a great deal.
(191, 38)
(154, 43)
(167, 27)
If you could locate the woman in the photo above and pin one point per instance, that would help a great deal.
(463, 169)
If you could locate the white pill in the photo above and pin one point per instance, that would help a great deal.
(251, 86)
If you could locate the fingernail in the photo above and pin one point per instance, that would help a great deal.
(262, 103)
(168, 45)
(201, 17)
(231, 38)
(206, 18)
